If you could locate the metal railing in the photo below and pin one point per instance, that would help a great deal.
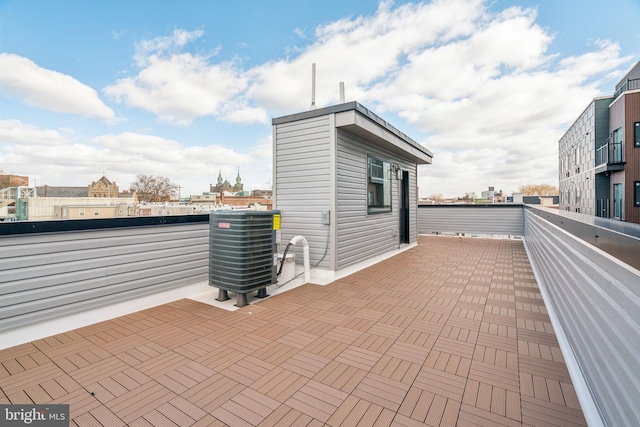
(632, 84)
(610, 153)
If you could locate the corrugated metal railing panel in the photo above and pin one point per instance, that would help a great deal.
(503, 220)
(597, 302)
(46, 275)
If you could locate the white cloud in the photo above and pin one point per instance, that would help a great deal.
(14, 131)
(177, 86)
(360, 52)
(50, 90)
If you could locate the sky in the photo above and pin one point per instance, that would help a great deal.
(187, 90)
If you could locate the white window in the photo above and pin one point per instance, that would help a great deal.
(378, 185)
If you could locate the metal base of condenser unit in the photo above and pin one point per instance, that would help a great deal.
(242, 300)
(223, 295)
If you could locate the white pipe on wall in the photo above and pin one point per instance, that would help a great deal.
(305, 252)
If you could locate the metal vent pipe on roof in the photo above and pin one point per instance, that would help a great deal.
(341, 92)
(313, 86)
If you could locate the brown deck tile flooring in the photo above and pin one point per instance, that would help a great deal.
(451, 332)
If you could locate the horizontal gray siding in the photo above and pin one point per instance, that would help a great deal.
(360, 235)
(46, 275)
(302, 183)
(472, 219)
(597, 302)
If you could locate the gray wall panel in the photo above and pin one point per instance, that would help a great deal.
(597, 301)
(488, 220)
(51, 274)
(302, 183)
(364, 235)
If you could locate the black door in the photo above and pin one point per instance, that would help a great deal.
(404, 208)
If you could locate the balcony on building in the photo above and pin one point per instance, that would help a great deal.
(610, 157)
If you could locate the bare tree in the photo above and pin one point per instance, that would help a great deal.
(151, 188)
(437, 198)
(469, 197)
(539, 190)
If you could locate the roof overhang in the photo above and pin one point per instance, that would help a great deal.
(360, 125)
(360, 121)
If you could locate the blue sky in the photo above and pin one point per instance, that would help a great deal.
(188, 89)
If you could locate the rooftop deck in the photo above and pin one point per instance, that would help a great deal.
(451, 332)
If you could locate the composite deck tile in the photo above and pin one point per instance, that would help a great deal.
(359, 357)
(472, 416)
(161, 364)
(246, 408)
(453, 346)
(342, 334)
(399, 319)
(305, 364)
(396, 369)
(53, 388)
(28, 378)
(248, 370)
(386, 330)
(140, 401)
(298, 338)
(197, 348)
(382, 391)
(412, 350)
(317, 400)
(220, 358)
(372, 342)
(440, 382)
(279, 384)
(544, 368)
(541, 412)
(285, 416)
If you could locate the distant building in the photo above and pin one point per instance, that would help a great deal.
(224, 185)
(204, 198)
(492, 195)
(599, 156)
(234, 200)
(87, 211)
(103, 188)
(10, 180)
(50, 191)
(262, 193)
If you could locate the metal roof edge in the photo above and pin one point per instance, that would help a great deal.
(352, 106)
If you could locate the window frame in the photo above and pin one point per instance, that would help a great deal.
(636, 194)
(617, 139)
(378, 185)
(636, 134)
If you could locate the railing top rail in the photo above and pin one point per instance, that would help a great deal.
(13, 228)
(627, 228)
(475, 206)
(597, 232)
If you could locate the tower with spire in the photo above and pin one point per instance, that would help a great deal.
(225, 185)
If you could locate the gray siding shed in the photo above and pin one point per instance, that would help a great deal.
(320, 164)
